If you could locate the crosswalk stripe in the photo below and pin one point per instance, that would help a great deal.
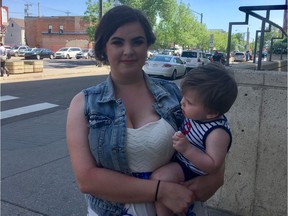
(27, 109)
(7, 97)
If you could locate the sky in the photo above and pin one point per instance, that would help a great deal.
(216, 14)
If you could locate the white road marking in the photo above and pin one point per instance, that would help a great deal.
(27, 109)
(7, 97)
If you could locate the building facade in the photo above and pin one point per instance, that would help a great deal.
(15, 32)
(56, 32)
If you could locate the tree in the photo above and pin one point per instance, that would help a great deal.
(182, 29)
(220, 40)
(173, 23)
(92, 15)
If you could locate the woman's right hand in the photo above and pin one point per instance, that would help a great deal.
(176, 197)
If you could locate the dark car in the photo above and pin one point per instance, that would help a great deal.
(39, 53)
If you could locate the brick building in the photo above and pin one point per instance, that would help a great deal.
(56, 32)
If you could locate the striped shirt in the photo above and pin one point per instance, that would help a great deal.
(197, 132)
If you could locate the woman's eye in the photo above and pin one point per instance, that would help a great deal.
(138, 42)
(118, 43)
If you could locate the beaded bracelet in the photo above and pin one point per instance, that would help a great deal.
(156, 194)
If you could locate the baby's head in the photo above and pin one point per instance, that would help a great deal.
(214, 85)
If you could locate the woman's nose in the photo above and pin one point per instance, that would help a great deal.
(128, 49)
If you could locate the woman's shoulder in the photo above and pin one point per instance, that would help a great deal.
(97, 89)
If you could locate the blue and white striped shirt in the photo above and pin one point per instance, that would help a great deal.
(197, 132)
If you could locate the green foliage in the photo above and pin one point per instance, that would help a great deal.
(174, 23)
(92, 15)
(220, 40)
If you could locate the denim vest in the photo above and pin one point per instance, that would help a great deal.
(106, 118)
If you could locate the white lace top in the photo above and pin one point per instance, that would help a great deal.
(148, 148)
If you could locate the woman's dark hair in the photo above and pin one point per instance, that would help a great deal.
(112, 20)
(215, 86)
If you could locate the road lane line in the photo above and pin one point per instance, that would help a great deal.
(27, 109)
(7, 97)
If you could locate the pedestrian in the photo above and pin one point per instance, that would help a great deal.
(217, 57)
(205, 136)
(247, 54)
(120, 131)
(3, 57)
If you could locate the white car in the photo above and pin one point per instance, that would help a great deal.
(165, 66)
(194, 58)
(85, 53)
(239, 57)
(18, 50)
(67, 52)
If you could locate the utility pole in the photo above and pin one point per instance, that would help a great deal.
(26, 9)
(38, 9)
(100, 9)
(247, 39)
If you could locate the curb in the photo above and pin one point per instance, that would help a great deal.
(53, 73)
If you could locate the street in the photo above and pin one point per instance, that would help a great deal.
(36, 174)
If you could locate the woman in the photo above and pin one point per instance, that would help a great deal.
(119, 131)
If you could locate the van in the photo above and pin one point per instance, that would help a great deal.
(67, 52)
(194, 58)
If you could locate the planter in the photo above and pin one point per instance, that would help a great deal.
(15, 67)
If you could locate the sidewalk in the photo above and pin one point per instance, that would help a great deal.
(53, 73)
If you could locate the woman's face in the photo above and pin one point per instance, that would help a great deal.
(126, 49)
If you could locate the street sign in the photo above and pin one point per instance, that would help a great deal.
(211, 41)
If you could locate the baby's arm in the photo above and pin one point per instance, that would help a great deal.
(210, 161)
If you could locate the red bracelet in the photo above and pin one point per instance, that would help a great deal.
(156, 194)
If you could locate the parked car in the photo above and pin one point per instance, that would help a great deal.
(239, 57)
(39, 53)
(67, 52)
(85, 53)
(208, 56)
(194, 58)
(165, 66)
(18, 50)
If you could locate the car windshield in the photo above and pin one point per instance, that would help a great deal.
(239, 54)
(189, 54)
(161, 58)
(63, 49)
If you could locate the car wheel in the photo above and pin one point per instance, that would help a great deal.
(67, 57)
(51, 57)
(16, 54)
(174, 75)
(38, 57)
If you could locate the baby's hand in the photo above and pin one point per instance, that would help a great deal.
(179, 134)
(179, 141)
